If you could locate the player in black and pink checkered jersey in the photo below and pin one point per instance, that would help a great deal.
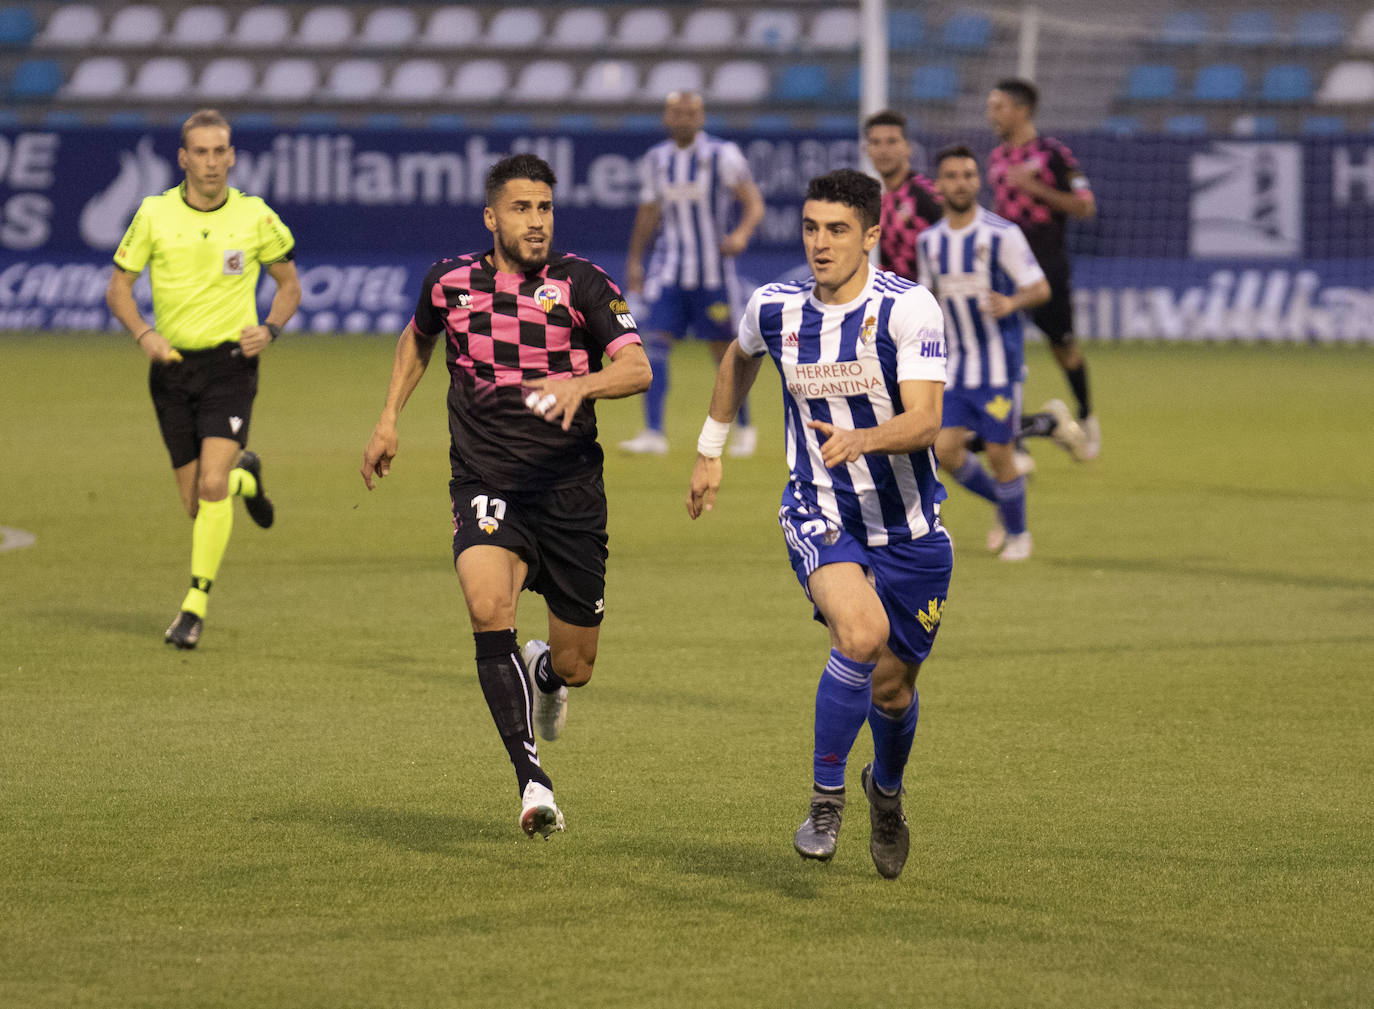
(910, 203)
(1037, 184)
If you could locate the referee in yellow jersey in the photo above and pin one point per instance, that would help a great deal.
(204, 245)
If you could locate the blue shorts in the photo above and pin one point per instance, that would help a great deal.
(993, 412)
(911, 578)
(704, 311)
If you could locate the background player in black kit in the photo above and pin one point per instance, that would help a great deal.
(526, 329)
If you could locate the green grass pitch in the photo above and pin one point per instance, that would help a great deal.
(1143, 777)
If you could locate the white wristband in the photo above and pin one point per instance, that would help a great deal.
(711, 441)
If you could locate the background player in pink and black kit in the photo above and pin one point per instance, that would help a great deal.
(525, 329)
(1037, 185)
(910, 202)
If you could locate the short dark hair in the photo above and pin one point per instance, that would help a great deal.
(852, 189)
(885, 118)
(518, 166)
(1020, 91)
(953, 151)
(204, 117)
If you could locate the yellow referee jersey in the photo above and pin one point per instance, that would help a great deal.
(203, 264)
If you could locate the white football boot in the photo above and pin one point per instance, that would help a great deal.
(647, 442)
(550, 710)
(1018, 548)
(539, 814)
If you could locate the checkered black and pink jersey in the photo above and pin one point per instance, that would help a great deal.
(907, 211)
(1058, 169)
(505, 330)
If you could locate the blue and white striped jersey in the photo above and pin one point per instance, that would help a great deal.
(694, 186)
(842, 364)
(961, 267)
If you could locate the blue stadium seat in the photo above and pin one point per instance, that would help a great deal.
(254, 121)
(1151, 82)
(800, 82)
(641, 122)
(512, 122)
(1184, 28)
(384, 121)
(1324, 126)
(447, 122)
(63, 119)
(906, 30)
(1219, 82)
(17, 27)
(967, 32)
(1287, 82)
(1251, 125)
(10, 119)
(35, 80)
(1319, 30)
(1121, 126)
(1186, 124)
(575, 122)
(1251, 28)
(935, 82)
(849, 85)
(132, 120)
(318, 121)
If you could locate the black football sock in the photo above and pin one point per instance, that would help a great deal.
(975, 443)
(1078, 382)
(544, 677)
(1037, 425)
(507, 691)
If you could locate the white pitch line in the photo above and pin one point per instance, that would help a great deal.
(15, 539)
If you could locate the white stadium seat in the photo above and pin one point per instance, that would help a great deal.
(97, 77)
(673, 75)
(457, 28)
(544, 82)
(227, 77)
(516, 28)
(1363, 36)
(324, 28)
(162, 77)
(609, 81)
(137, 25)
(263, 28)
(582, 28)
(388, 28)
(1350, 82)
(417, 80)
(643, 28)
(289, 80)
(482, 80)
(354, 80)
(835, 29)
(709, 28)
(738, 82)
(203, 26)
(74, 25)
(772, 29)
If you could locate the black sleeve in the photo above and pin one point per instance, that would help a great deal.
(429, 319)
(602, 305)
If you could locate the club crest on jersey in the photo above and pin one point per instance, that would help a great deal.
(870, 331)
(998, 407)
(233, 262)
(930, 616)
(548, 296)
(488, 524)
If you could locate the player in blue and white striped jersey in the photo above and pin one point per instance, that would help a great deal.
(862, 359)
(982, 269)
(690, 185)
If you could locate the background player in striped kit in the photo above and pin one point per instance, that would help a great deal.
(1037, 185)
(862, 359)
(690, 185)
(525, 330)
(984, 273)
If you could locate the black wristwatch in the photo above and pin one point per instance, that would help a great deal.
(273, 328)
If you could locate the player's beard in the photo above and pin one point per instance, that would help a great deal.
(510, 248)
(960, 208)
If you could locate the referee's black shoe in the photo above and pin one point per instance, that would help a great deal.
(185, 630)
(260, 508)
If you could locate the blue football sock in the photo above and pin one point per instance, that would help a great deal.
(842, 700)
(1011, 505)
(972, 476)
(892, 738)
(658, 349)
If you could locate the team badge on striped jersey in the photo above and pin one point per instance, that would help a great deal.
(548, 296)
(870, 331)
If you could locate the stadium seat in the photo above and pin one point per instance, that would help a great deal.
(10, 119)
(544, 82)
(136, 25)
(673, 75)
(447, 121)
(643, 28)
(97, 77)
(1319, 29)
(1151, 82)
(388, 28)
(576, 122)
(512, 122)
(456, 28)
(1184, 28)
(324, 28)
(227, 77)
(1363, 36)
(1251, 125)
(317, 121)
(17, 27)
(835, 29)
(1186, 124)
(1251, 28)
(162, 77)
(609, 82)
(906, 30)
(1287, 82)
(74, 26)
(384, 121)
(1121, 126)
(482, 80)
(776, 29)
(737, 82)
(1219, 82)
(582, 28)
(63, 119)
(709, 28)
(417, 80)
(255, 121)
(966, 32)
(639, 122)
(516, 28)
(261, 28)
(289, 80)
(849, 87)
(129, 119)
(800, 83)
(202, 26)
(1350, 82)
(1323, 126)
(353, 80)
(934, 82)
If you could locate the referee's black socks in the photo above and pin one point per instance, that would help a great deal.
(507, 691)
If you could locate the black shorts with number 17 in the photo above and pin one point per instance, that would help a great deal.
(560, 533)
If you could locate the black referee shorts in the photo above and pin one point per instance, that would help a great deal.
(560, 533)
(207, 394)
